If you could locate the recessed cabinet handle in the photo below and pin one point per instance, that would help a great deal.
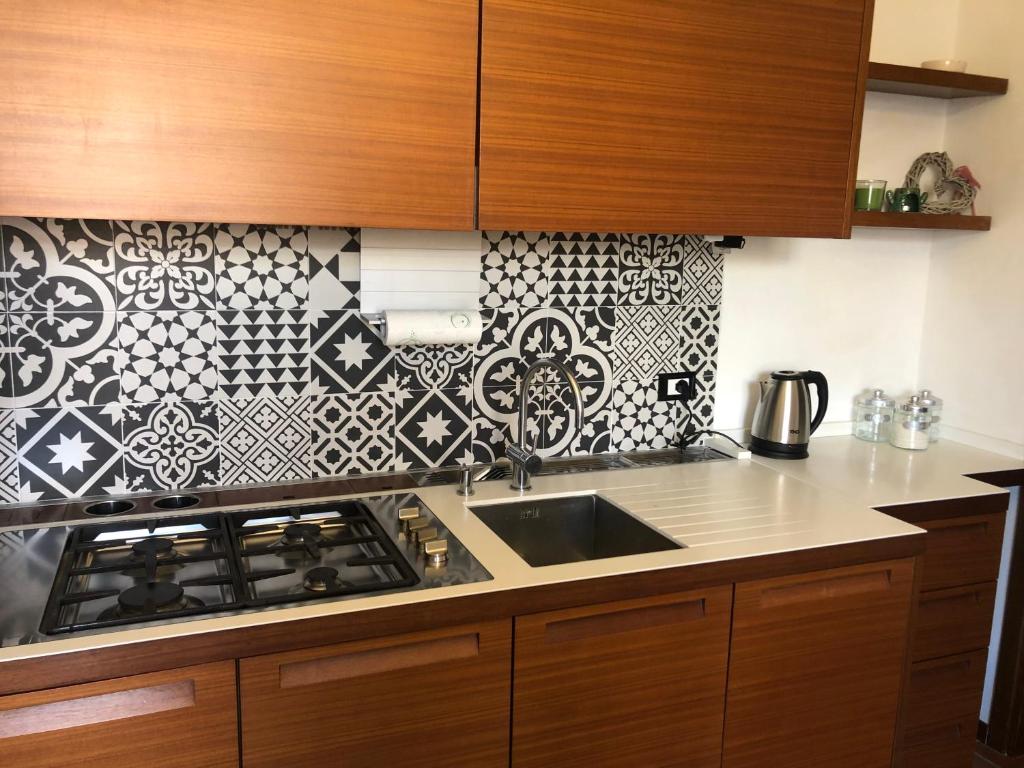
(826, 589)
(959, 529)
(378, 660)
(92, 710)
(971, 596)
(567, 630)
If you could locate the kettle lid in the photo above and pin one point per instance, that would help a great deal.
(787, 375)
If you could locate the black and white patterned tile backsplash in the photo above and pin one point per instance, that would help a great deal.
(147, 356)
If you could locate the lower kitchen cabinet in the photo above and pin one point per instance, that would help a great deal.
(634, 683)
(429, 699)
(182, 717)
(816, 665)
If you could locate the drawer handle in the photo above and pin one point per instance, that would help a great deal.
(951, 668)
(378, 660)
(935, 734)
(825, 589)
(92, 710)
(568, 630)
(972, 596)
(959, 529)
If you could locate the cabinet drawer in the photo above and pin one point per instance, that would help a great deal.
(962, 550)
(945, 745)
(943, 690)
(955, 620)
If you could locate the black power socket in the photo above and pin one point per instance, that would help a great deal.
(681, 386)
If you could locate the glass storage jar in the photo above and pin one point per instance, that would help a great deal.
(935, 409)
(872, 417)
(910, 425)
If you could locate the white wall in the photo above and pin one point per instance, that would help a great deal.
(973, 351)
(853, 309)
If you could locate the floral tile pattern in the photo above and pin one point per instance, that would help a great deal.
(584, 269)
(433, 428)
(8, 458)
(64, 359)
(263, 353)
(496, 421)
(261, 267)
(168, 356)
(353, 433)
(58, 265)
(646, 342)
(512, 340)
(69, 452)
(333, 268)
(514, 269)
(170, 446)
(348, 355)
(264, 440)
(640, 421)
(698, 353)
(582, 338)
(651, 269)
(164, 265)
(434, 366)
(703, 273)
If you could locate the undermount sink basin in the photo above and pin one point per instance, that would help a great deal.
(570, 529)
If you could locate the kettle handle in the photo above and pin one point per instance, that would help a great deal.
(821, 385)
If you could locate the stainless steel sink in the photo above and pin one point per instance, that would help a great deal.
(570, 529)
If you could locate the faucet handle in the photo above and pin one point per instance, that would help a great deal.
(531, 462)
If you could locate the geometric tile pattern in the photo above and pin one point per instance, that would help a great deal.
(264, 440)
(263, 353)
(168, 356)
(156, 355)
(169, 446)
(583, 269)
(353, 433)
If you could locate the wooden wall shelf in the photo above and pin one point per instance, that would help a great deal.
(922, 221)
(916, 81)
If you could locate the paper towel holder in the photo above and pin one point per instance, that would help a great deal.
(378, 322)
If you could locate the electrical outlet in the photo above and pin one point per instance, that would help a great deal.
(680, 386)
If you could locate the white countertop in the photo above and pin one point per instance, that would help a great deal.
(721, 510)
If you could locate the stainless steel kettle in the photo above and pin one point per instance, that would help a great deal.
(783, 424)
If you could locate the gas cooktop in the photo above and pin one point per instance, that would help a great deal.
(173, 567)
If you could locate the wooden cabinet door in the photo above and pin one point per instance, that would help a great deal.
(425, 700)
(736, 116)
(636, 683)
(816, 668)
(350, 112)
(184, 717)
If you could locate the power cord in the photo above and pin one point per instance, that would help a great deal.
(691, 435)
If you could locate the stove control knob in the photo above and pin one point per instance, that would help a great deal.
(436, 552)
(415, 524)
(423, 535)
(406, 515)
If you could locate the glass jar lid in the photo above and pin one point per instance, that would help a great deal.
(914, 405)
(929, 398)
(876, 399)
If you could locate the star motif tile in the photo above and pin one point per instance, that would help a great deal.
(433, 428)
(514, 269)
(8, 457)
(164, 265)
(353, 433)
(703, 269)
(639, 421)
(333, 268)
(264, 440)
(262, 267)
(168, 356)
(646, 342)
(69, 452)
(651, 269)
(263, 353)
(58, 265)
(63, 359)
(348, 356)
(171, 446)
(583, 269)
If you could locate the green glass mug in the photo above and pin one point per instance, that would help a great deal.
(906, 199)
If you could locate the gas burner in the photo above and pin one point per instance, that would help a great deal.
(296, 533)
(161, 549)
(149, 598)
(301, 541)
(322, 579)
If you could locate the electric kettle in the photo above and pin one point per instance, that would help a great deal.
(783, 424)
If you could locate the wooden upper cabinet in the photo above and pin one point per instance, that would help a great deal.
(351, 112)
(735, 116)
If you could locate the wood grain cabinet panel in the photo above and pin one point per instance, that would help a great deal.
(186, 717)
(816, 665)
(634, 683)
(962, 550)
(940, 745)
(955, 620)
(737, 116)
(942, 690)
(351, 112)
(424, 700)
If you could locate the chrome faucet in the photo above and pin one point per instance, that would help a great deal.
(524, 460)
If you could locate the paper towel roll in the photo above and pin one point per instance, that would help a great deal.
(415, 327)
